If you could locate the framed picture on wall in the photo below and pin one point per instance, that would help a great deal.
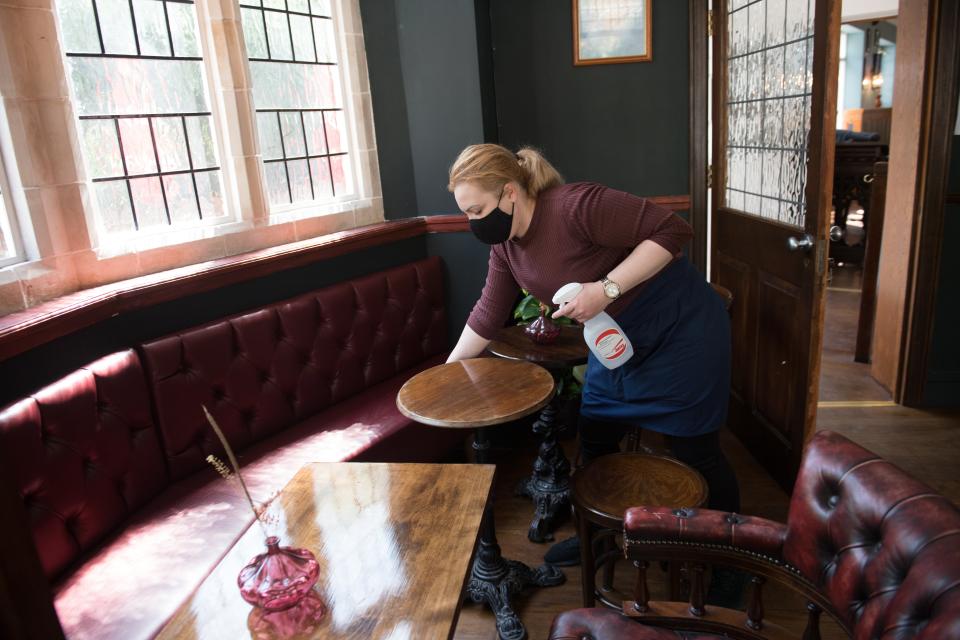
(611, 31)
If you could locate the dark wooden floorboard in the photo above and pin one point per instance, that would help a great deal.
(924, 443)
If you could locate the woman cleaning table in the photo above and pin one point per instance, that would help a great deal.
(626, 251)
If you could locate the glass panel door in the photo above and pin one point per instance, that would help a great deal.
(769, 61)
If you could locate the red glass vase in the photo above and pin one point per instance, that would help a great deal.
(278, 579)
(543, 330)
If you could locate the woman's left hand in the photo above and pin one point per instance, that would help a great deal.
(589, 302)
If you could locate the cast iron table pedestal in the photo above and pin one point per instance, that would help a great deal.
(549, 484)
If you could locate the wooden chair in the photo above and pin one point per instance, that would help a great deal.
(864, 542)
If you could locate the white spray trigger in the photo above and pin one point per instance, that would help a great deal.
(567, 293)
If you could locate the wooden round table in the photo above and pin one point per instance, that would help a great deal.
(568, 351)
(609, 485)
(549, 483)
(473, 394)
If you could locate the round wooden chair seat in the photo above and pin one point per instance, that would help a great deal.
(605, 488)
(608, 486)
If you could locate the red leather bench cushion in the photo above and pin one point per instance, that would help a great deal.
(261, 372)
(180, 537)
(84, 454)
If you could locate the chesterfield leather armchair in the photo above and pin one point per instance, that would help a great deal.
(864, 542)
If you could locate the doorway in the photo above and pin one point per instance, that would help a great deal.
(865, 83)
(780, 309)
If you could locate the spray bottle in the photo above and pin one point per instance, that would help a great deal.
(602, 334)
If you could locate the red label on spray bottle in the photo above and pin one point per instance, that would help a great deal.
(610, 344)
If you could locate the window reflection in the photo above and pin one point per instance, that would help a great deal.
(360, 544)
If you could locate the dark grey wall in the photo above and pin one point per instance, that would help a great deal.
(427, 98)
(465, 260)
(624, 125)
(389, 108)
(943, 377)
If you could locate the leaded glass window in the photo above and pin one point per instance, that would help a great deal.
(769, 84)
(136, 71)
(301, 121)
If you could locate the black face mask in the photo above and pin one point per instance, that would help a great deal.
(494, 227)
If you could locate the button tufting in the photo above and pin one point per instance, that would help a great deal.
(683, 512)
(734, 518)
(833, 501)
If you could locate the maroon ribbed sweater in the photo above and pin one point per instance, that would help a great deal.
(578, 233)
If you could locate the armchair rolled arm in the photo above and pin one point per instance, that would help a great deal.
(643, 525)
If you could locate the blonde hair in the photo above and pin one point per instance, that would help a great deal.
(491, 166)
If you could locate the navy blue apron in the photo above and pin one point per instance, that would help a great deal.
(678, 380)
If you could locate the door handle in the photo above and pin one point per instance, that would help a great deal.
(801, 243)
(836, 233)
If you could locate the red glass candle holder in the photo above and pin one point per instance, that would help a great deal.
(543, 330)
(278, 579)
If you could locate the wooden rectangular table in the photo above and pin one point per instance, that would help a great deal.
(394, 543)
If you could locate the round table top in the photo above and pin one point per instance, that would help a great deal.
(478, 392)
(569, 349)
(610, 485)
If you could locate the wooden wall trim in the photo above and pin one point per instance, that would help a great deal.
(457, 222)
(447, 223)
(674, 203)
(24, 330)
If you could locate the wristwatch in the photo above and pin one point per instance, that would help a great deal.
(610, 288)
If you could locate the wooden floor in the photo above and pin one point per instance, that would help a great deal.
(926, 444)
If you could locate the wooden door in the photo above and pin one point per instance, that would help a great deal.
(774, 112)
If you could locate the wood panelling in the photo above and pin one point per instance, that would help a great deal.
(871, 263)
(893, 289)
(777, 373)
(735, 276)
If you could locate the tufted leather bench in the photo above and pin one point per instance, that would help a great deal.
(126, 514)
(876, 549)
